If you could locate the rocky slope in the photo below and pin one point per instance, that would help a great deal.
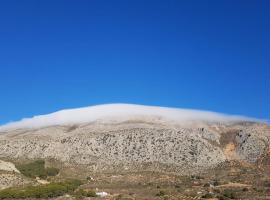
(145, 141)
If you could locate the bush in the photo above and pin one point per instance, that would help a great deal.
(216, 183)
(267, 184)
(161, 193)
(83, 193)
(227, 194)
(33, 169)
(223, 198)
(121, 197)
(80, 193)
(37, 169)
(43, 191)
(91, 194)
(51, 171)
(208, 196)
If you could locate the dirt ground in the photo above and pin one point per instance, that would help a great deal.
(229, 181)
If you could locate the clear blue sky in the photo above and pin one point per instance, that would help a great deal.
(212, 55)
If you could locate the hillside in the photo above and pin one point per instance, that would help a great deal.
(127, 151)
(126, 137)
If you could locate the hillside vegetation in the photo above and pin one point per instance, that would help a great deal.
(37, 169)
(42, 191)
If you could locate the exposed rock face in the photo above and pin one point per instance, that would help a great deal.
(12, 179)
(8, 166)
(250, 146)
(140, 145)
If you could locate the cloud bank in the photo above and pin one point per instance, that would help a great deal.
(119, 111)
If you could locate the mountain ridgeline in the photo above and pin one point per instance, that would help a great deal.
(138, 141)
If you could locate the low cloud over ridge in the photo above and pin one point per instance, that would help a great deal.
(119, 111)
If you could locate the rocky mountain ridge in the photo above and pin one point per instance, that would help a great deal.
(139, 146)
(141, 143)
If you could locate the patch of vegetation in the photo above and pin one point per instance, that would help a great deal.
(215, 183)
(267, 184)
(51, 171)
(194, 177)
(83, 193)
(223, 198)
(161, 193)
(208, 196)
(121, 197)
(41, 192)
(227, 194)
(33, 169)
(37, 169)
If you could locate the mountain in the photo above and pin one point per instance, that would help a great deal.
(125, 137)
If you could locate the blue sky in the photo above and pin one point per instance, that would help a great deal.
(211, 55)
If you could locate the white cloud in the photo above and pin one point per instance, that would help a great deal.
(118, 112)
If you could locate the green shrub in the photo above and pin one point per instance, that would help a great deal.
(80, 193)
(37, 169)
(84, 193)
(33, 169)
(51, 171)
(43, 191)
(91, 193)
